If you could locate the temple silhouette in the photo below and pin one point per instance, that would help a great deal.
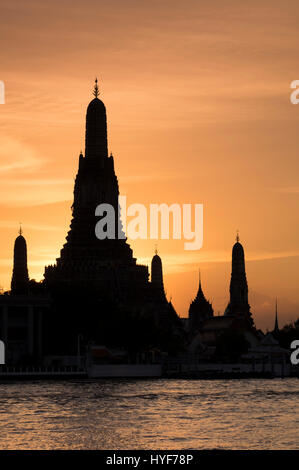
(97, 294)
(106, 265)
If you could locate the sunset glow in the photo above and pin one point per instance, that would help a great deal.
(198, 108)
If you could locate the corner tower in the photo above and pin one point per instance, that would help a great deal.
(157, 277)
(20, 277)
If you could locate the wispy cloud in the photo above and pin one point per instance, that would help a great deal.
(38, 227)
(288, 190)
(16, 156)
(5, 262)
(35, 191)
(179, 263)
(20, 180)
(154, 177)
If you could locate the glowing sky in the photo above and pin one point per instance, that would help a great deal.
(198, 102)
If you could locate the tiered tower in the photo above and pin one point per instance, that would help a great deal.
(108, 265)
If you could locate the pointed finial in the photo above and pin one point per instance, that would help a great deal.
(20, 230)
(199, 276)
(156, 249)
(238, 236)
(96, 91)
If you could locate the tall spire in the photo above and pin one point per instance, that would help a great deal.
(96, 90)
(200, 309)
(238, 305)
(200, 294)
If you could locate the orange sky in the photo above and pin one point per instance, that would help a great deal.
(198, 102)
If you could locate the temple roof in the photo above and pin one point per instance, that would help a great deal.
(156, 260)
(238, 249)
(96, 103)
(96, 145)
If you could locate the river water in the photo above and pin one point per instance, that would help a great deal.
(150, 414)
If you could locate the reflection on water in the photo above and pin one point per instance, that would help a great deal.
(150, 414)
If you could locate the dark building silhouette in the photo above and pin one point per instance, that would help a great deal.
(96, 293)
(236, 326)
(157, 277)
(98, 290)
(200, 310)
(22, 311)
(106, 265)
(20, 277)
(169, 326)
(238, 305)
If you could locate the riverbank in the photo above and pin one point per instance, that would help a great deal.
(167, 371)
